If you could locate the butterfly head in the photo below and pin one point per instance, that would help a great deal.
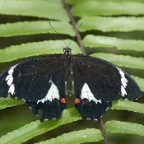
(67, 51)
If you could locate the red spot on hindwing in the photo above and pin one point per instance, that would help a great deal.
(77, 101)
(63, 100)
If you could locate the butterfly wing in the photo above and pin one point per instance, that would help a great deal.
(40, 82)
(97, 83)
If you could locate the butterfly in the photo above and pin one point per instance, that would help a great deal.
(40, 82)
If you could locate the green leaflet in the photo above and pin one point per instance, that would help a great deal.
(36, 128)
(43, 9)
(93, 134)
(92, 8)
(9, 102)
(83, 1)
(124, 127)
(76, 137)
(122, 60)
(140, 82)
(35, 27)
(109, 24)
(110, 42)
(128, 105)
(36, 48)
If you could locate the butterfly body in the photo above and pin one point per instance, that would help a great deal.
(40, 82)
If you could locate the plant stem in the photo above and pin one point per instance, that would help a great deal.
(79, 40)
(103, 131)
(73, 22)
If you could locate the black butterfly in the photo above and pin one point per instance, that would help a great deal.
(40, 82)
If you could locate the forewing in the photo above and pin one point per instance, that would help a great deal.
(97, 83)
(40, 82)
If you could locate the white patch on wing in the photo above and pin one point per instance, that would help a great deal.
(87, 94)
(124, 82)
(11, 89)
(53, 93)
(123, 91)
(9, 79)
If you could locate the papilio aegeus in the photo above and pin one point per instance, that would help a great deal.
(40, 82)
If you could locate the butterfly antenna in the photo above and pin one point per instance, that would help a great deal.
(57, 33)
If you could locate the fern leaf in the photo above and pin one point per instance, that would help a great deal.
(124, 127)
(121, 60)
(35, 27)
(128, 105)
(110, 42)
(36, 128)
(91, 8)
(75, 2)
(140, 82)
(9, 102)
(35, 48)
(41, 9)
(76, 137)
(109, 24)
